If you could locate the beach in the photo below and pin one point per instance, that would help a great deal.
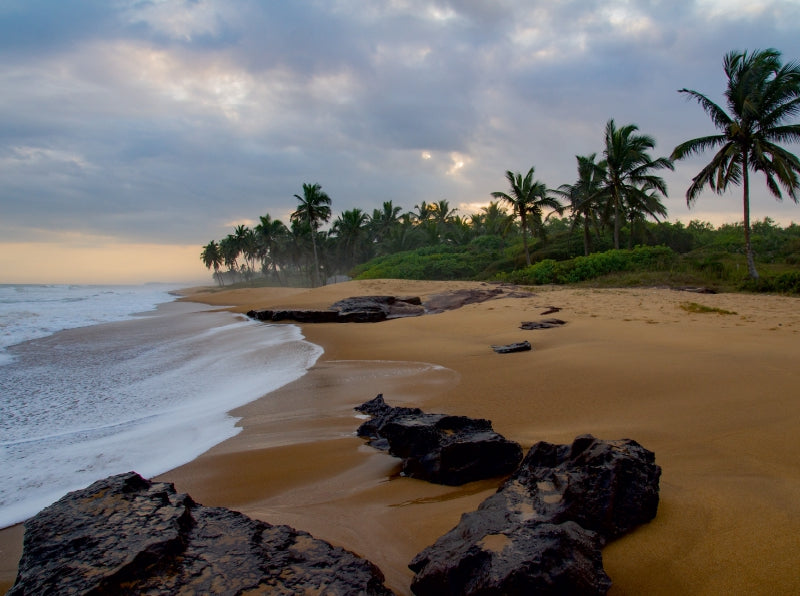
(714, 395)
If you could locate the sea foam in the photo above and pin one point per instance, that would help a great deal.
(147, 395)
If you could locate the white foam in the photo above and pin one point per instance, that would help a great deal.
(146, 395)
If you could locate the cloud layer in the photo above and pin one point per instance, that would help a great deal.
(166, 121)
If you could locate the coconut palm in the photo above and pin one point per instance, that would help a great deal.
(761, 95)
(628, 172)
(314, 209)
(528, 198)
(212, 257)
(271, 234)
(384, 222)
(350, 231)
(586, 195)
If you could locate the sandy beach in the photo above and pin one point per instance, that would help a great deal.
(715, 396)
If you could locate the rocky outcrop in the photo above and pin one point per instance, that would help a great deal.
(451, 450)
(359, 309)
(541, 533)
(373, 309)
(127, 535)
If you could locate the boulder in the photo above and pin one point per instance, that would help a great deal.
(440, 448)
(542, 531)
(127, 535)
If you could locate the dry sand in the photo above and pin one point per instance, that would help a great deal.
(715, 396)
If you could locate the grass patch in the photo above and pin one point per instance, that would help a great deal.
(694, 307)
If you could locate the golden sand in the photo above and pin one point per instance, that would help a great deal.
(715, 396)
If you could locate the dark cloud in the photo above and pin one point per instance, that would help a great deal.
(165, 121)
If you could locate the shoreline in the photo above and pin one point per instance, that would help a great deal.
(714, 396)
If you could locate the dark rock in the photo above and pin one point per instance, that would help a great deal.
(522, 346)
(542, 324)
(456, 299)
(550, 519)
(550, 310)
(451, 450)
(127, 535)
(359, 309)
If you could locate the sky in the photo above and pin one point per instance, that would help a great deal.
(133, 132)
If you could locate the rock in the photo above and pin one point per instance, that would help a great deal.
(550, 310)
(542, 324)
(451, 450)
(522, 346)
(457, 298)
(127, 535)
(359, 309)
(542, 531)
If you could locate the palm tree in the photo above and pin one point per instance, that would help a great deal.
(229, 251)
(384, 222)
(761, 95)
(628, 171)
(351, 236)
(527, 198)
(586, 195)
(495, 220)
(212, 257)
(314, 209)
(271, 234)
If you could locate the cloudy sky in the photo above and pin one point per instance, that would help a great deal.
(132, 132)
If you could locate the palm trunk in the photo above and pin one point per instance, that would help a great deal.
(748, 248)
(616, 222)
(586, 236)
(525, 238)
(315, 279)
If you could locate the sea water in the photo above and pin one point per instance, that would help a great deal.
(87, 389)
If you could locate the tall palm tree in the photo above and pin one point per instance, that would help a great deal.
(628, 171)
(314, 209)
(586, 195)
(761, 94)
(495, 220)
(212, 257)
(528, 198)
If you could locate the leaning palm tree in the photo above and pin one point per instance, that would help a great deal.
(586, 195)
(314, 209)
(527, 198)
(761, 95)
(628, 171)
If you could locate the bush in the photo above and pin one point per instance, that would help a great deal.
(549, 271)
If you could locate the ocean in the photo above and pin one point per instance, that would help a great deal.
(99, 380)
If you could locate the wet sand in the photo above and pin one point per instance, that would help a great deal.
(714, 396)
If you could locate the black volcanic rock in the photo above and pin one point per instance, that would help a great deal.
(451, 450)
(543, 530)
(127, 535)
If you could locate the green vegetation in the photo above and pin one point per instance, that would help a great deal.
(615, 201)
(694, 307)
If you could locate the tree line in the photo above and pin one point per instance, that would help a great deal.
(614, 192)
